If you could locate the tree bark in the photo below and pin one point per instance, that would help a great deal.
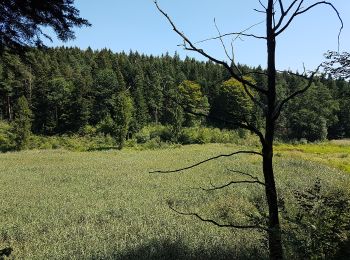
(274, 228)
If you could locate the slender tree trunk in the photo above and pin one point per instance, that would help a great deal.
(274, 232)
(156, 115)
(8, 107)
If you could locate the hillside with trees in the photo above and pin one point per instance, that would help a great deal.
(73, 91)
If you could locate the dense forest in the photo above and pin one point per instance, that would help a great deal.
(71, 91)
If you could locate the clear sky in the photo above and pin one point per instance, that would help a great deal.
(123, 25)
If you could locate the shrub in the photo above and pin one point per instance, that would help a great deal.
(319, 225)
(143, 135)
(6, 137)
(153, 131)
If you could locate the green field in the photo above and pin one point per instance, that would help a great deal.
(57, 204)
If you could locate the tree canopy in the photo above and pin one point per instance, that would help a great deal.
(22, 21)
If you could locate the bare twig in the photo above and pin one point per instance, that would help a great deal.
(262, 5)
(299, 10)
(222, 42)
(246, 174)
(192, 47)
(207, 160)
(219, 224)
(296, 93)
(231, 183)
(255, 181)
(284, 13)
(237, 34)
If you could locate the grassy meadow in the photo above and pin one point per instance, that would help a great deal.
(58, 204)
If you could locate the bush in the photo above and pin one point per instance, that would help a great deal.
(6, 137)
(203, 135)
(73, 142)
(153, 131)
(319, 226)
(143, 135)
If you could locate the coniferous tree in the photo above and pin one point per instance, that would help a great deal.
(22, 21)
(141, 116)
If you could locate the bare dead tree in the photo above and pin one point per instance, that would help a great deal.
(278, 18)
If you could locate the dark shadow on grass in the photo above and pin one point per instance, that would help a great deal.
(171, 250)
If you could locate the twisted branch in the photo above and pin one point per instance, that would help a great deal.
(207, 160)
(231, 225)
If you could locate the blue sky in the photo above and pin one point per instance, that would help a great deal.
(123, 25)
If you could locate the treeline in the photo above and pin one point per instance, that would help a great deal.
(73, 91)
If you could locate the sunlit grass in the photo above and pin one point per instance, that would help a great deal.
(57, 204)
(333, 153)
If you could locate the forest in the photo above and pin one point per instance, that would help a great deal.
(66, 91)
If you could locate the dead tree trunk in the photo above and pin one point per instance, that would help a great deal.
(276, 23)
(274, 229)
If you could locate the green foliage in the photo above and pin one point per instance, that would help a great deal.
(201, 135)
(153, 131)
(72, 143)
(23, 22)
(192, 99)
(21, 126)
(6, 137)
(307, 118)
(106, 84)
(69, 88)
(106, 126)
(122, 117)
(319, 225)
(58, 100)
(232, 102)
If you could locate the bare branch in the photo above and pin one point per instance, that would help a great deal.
(209, 159)
(300, 11)
(262, 5)
(219, 224)
(298, 92)
(281, 6)
(284, 13)
(231, 183)
(242, 33)
(203, 53)
(256, 181)
(246, 174)
(250, 95)
(222, 42)
(259, 11)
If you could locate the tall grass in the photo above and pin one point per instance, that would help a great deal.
(57, 204)
(333, 153)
